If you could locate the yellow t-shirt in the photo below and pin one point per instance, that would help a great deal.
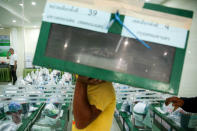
(103, 97)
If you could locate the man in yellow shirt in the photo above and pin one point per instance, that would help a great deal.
(94, 105)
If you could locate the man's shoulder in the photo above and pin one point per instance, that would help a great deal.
(103, 88)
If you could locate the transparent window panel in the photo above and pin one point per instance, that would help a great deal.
(110, 52)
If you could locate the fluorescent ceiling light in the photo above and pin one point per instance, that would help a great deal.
(147, 0)
(21, 4)
(35, 26)
(33, 3)
(1, 28)
(14, 21)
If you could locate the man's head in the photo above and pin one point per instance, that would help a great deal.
(11, 50)
(89, 81)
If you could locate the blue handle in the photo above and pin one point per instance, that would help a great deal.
(117, 18)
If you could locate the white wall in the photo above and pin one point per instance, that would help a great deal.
(31, 38)
(188, 86)
(24, 42)
(17, 42)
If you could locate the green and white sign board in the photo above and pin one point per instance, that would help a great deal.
(91, 43)
(4, 45)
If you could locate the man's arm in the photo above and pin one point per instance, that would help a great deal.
(8, 57)
(189, 104)
(15, 65)
(84, 113)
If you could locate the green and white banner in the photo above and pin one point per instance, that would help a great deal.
(4, 45)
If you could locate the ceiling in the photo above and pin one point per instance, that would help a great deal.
(11, 12)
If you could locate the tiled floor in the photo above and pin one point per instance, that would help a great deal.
(1, 84)
(115, 126)
(4, 83)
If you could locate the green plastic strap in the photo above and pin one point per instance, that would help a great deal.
(166, 119)
(29, 122)
(2, 116)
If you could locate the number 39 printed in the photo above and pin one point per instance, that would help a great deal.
(92, 12)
